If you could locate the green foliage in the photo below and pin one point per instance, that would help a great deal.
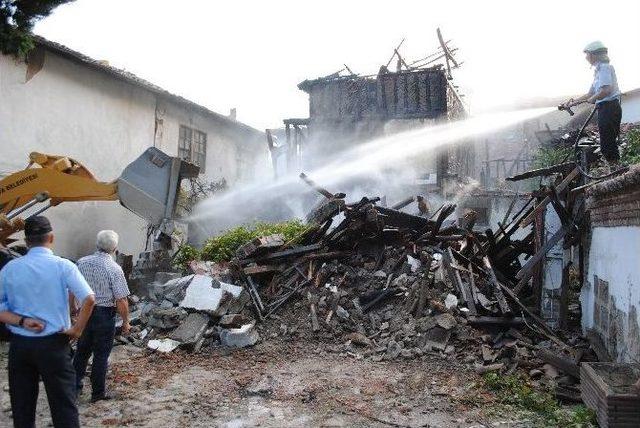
(630, 153)
(517, 392)
(186, 253)
(17, 18)
(224, 246)
(549, 156)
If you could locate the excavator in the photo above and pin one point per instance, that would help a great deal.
(148, 187)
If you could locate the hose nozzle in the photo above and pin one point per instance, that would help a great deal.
(567, 109)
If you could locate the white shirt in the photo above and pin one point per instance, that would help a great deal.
(605, 75)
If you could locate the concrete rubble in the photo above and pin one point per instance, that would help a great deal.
(380, 284)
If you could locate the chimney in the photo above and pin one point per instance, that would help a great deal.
(232, 114)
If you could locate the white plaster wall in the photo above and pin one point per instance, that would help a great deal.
(614, 256)
(71, 110)
(232, 153)
(631, 108)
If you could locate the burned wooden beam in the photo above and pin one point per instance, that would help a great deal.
(566, 365)
(541, 172)
(495, 321)
(403, 203)
(293, 252)
(537, 320)
(528, 269)
(559, 188)
(259, 269)
(324, 192)
(463, 289)
(399, 219)
(497, 291)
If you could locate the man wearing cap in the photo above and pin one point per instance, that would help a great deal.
(107, 280)
(34, 303)
(604, 93)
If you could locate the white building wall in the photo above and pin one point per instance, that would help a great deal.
(631, 107)
(222, 149)
(68, 109)
(614, 256)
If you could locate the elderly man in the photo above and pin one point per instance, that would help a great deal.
(107, 280)
(34, 302)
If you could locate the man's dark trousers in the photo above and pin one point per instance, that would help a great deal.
(609, 118)
(48, 358)
(97, 338)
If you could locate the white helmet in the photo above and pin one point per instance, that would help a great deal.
(595, 47)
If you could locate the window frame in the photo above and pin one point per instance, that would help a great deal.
(192, 146)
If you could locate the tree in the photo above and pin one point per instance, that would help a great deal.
(17, 18)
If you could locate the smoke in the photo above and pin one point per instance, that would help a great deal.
(382, 167)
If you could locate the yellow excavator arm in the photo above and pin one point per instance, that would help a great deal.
(56, 178)
(148, 187)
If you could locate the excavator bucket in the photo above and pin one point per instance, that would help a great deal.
(150, 184)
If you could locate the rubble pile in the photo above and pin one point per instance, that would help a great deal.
(190, 312)
(376, 282)
(388, 284)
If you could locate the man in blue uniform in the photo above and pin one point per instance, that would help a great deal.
(34, 303)
(604, 93)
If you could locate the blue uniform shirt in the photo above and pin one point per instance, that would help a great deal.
(37, 285)
(605, 75)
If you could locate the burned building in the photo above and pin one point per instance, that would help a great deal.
(346, 110)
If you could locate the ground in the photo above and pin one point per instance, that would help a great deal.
(277, 383)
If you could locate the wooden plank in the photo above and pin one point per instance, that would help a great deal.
(463, 289)
(254, 270)
(537, 320)
(560, 188)
(497, 292)
(542, 171)
(564, 364)
(527, 270)
(495, 321)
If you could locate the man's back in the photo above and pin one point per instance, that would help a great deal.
(37, 285)
(105, 277)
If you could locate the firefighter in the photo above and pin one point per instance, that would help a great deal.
(604, 93)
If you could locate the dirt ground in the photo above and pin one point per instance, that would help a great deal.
(276, 384)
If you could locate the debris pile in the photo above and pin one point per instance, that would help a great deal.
(376, 282)
(388, 284)
(184, 311)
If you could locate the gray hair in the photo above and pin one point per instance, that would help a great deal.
(107, 241)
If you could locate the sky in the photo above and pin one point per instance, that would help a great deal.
(251, 54)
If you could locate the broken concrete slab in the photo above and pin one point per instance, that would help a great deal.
(191, 329)
(172, 290)
(163, 345)
(241, 337)
(165, 318)
(206, 294)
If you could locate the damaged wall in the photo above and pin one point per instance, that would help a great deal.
(610, 296)
(72, 105)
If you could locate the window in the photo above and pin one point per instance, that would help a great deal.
(192, 146)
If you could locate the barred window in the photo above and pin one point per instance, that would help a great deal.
(192, 146)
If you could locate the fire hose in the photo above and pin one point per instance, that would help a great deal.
(576, 149)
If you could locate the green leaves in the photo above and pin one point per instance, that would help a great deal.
(630, 153)
(516, 391)
(223, 247)
(17, 18)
